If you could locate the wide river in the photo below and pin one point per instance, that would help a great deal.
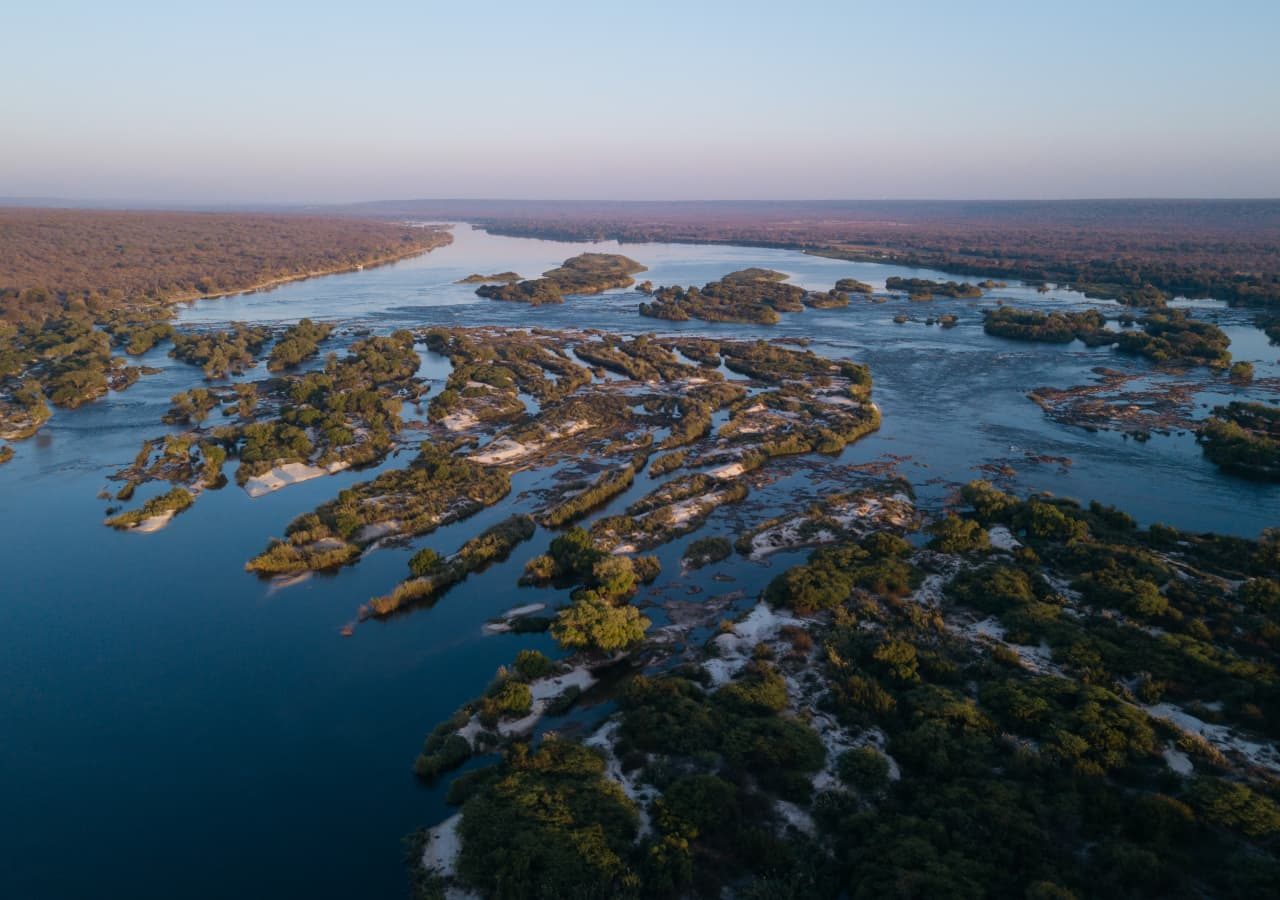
(172, 726)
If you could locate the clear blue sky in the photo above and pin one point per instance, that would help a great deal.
(315, 101)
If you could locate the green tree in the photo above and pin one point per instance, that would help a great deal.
(591, 621)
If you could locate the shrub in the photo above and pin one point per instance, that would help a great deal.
(532, 664)
(864, 768)
(425, 562)
(705, 551)
(956, 535)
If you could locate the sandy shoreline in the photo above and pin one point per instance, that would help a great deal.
(289, 473)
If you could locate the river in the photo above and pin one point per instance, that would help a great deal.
(174, 726)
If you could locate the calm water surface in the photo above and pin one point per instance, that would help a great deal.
(171, 726)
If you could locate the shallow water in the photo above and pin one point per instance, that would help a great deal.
(173, 725)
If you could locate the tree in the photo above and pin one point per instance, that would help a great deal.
(956, 535)
(593, 622)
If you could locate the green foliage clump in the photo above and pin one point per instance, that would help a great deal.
(595, 622)
(215, 456)
(531, 664)
(1236, 806)
(300, 342)
(221, 353)
(990, 504)
(994, 588)
(760, 689)
(1244, 438)
(1174, 337)
(1055, 327)
(956, 535)
(452, 752)
(511, 700)
(548, 824)
(444, 749)
(191, 406)
(1241, 372)
(269, 443)
(425, 562)
(829, 577)
(864, 768)
(705, 551)
(1122, 587)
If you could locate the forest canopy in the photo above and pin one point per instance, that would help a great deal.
(56, 261)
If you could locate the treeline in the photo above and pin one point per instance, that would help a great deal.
(59, 261)
(1226, 250)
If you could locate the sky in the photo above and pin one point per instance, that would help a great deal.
(282, 102)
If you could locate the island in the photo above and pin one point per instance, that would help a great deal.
(221, 353)
(586, 273)
(750, 295)
(853, 286)
(499, 277)
(1169, 337)
(924, 289)
(1055, 327)
(597, 407)
(299, 343)
(1244, 439)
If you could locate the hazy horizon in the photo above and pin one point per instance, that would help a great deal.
(139, 103)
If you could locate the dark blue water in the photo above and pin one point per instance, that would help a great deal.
(170, 725)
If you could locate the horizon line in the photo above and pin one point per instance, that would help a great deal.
(127, 204)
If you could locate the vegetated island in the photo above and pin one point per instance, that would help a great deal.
(586, 273)
(853, 286)
(1171, 336)
(758, 296)
(925, 289)
(1056, 327)
(750, 295)
(1244, 438)
(1042, 700)
(603, 406)
(76, 285)
(804, 403)
(477, 278)
(288, 428)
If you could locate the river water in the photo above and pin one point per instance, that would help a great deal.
(170, 725)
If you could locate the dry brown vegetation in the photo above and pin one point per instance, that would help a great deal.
(55, 261)
(1223, 248)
